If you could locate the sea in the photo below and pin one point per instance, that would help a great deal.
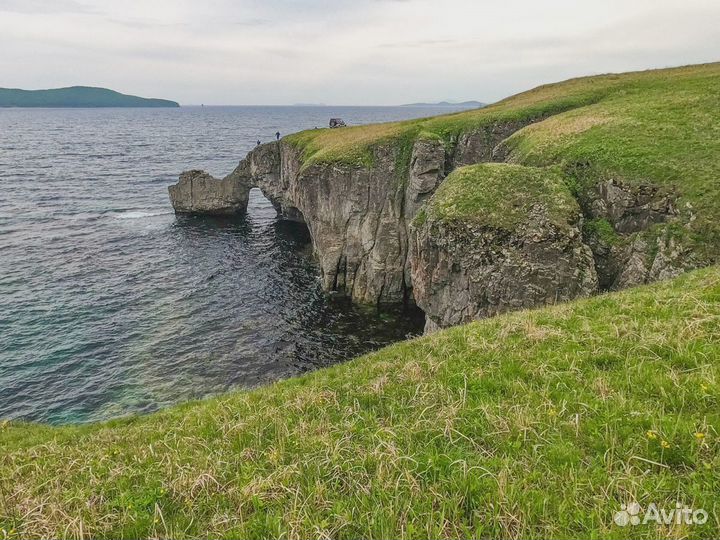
(112, 305)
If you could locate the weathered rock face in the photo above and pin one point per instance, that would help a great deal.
(630, 208)
(199, 193)
(358, 217)
(427, 171)
(485, 145)
(643, 259)
(463, 271)
(355, 218)
(635, 258)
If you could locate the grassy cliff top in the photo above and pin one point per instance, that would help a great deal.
(353, 143)
(533, 424)
(487, 194)
(660, 127)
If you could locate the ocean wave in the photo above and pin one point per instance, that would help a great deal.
(139, 214)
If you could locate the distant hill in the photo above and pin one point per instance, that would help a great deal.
(460, 105)
(76, 96)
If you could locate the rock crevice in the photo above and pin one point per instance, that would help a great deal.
(630, 240)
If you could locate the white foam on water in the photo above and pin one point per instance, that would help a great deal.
(139, 214)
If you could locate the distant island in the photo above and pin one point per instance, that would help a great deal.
(76, 96)
(459, 105)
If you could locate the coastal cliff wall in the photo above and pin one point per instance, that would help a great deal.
(359, 217)
(593, 184)
(377, 240)
(476, 253)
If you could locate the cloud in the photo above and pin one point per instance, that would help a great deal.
(343, 51)
(418, 43)
(44, 6)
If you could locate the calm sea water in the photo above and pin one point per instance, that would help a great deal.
(110, 304)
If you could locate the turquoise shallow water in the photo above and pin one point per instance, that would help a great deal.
(110, 304)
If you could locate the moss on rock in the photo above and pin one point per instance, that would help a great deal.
(498, 195)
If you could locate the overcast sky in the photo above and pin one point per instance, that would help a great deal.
(364, 52)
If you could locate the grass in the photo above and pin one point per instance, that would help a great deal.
(601, 229)
(354, 145)
(663, 130)
(487, 194)
(537, 424)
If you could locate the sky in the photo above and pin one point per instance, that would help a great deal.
(353, 52)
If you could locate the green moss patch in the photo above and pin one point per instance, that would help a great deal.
(601, 229)
(501, 196)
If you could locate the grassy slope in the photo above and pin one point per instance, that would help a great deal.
(533, 424)
(659, 126)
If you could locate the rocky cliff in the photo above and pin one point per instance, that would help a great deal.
(370, 247)
(197, 192)
(356, 215)
(553, 194)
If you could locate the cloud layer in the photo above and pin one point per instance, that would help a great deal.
(343, 51)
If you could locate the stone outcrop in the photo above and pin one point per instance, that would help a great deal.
(642, 258)
(630, 208)
(485, 144)
(464, 271)
(642, 250)
(199, 193)
(357, 216)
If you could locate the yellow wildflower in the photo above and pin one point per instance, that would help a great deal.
(699, 435)
(651, 434)
(665, 444)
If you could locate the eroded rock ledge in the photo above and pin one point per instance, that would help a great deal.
(370, 246)
(483, 247)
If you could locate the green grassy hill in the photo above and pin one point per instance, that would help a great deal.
(537, 424)
(660, 127)
(76, 96)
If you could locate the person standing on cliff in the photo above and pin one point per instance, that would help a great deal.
(277, 135)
